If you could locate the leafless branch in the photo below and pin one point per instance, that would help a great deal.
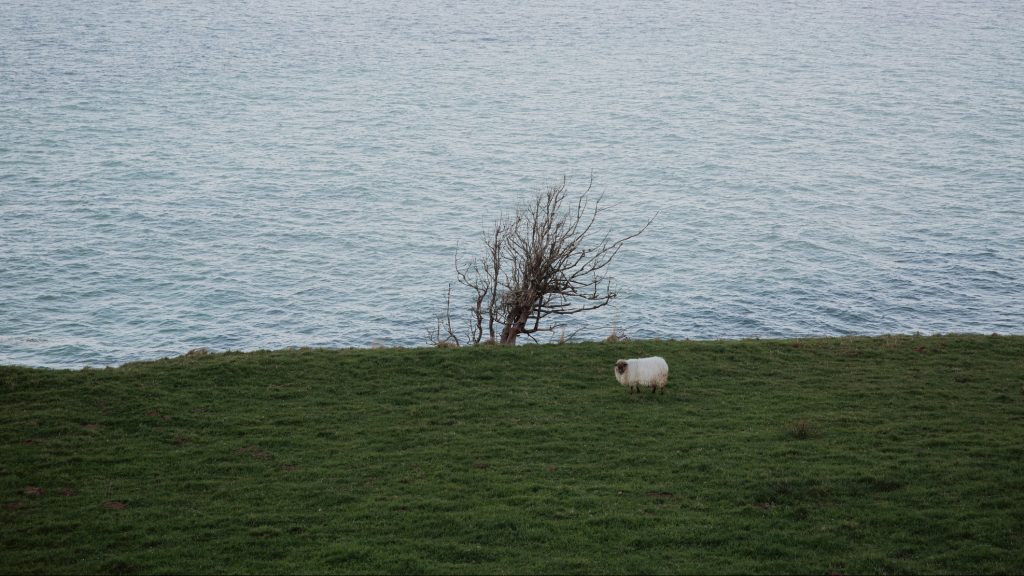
(540, 260)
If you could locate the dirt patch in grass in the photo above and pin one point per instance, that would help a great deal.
(801, 429)
(256, 452)
(121, 568)
(157, 414)
(114, 505)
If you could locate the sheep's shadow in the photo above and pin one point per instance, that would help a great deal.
(644, 396)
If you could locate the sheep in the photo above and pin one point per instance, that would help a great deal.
(642, 372)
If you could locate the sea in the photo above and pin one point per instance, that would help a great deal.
(267, 174)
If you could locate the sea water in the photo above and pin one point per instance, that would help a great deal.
(247, 175)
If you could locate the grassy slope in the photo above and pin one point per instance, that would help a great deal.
(523, 460)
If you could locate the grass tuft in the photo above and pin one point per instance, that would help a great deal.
(616, 335)
(801, 429)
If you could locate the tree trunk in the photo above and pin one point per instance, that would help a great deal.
(509, 334)
(515, 326)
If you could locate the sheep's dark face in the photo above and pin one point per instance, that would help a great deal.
(620, 366)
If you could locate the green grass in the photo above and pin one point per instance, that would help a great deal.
(896, 454)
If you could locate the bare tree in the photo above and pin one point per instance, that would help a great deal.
(541, 262)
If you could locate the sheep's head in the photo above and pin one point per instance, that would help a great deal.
(620, 367)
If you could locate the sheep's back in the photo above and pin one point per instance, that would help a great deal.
(651, 371)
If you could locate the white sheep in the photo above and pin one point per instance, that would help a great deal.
(643, 372)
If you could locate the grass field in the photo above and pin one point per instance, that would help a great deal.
(894, 454)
